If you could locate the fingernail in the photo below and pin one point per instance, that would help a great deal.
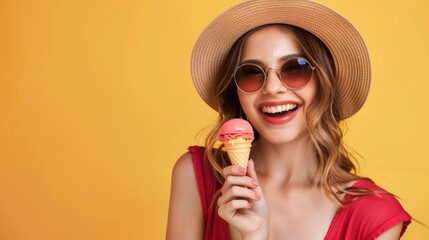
(257, 196)
(255, 183)
(243, 170)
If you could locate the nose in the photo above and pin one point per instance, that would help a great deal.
(273, 83)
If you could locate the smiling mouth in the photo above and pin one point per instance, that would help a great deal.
(279, 110)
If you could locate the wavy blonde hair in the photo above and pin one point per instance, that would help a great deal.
(335, 165)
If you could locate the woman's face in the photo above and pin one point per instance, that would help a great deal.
(270, 47)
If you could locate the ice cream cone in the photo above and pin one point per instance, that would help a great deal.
(238, 152)
(237, 135)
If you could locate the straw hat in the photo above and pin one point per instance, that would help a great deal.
(339, 35)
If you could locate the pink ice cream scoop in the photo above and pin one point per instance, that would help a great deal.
(235, 128)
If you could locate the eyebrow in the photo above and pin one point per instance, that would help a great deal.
(282, 59)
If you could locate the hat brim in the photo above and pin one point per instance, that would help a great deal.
(346, 45)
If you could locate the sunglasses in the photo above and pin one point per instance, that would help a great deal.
(295, 73)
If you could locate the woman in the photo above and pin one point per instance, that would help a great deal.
(294, 70)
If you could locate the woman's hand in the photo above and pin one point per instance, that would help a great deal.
(242, 203)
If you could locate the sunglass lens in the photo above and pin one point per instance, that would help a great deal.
(296, 73)
(249, 78)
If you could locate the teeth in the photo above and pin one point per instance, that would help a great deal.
(279, 108)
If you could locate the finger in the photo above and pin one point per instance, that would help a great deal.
(227, 211)
(243, 181)
(251, 170)
(237, 192)
(234, 170)
(252, 173)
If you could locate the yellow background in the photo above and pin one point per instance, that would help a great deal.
(96, 104)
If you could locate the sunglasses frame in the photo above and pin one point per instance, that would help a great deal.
(277, 70)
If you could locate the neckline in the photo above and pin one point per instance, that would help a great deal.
(340, 210)
(334, 221)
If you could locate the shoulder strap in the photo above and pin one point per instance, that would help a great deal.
(206, 180)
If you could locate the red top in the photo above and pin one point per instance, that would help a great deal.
(366, 218)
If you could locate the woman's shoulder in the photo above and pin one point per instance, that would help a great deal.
(378, 200)
(183, 170)
(193, 169)
(367, 183)
(193, 166)
(376, 212)
(184, 201)
(185, 163)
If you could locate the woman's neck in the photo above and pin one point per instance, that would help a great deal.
(289, 163)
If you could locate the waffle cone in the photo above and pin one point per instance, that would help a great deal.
(238, 152)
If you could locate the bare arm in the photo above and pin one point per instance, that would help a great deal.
(185, 217)
(392, 233)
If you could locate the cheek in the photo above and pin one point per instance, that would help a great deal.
(311, 91)
(246, 101)
(241, 98)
